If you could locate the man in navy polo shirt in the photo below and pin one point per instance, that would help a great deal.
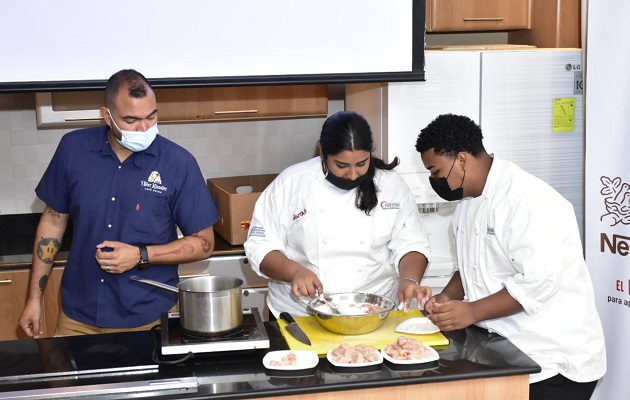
(126, 188)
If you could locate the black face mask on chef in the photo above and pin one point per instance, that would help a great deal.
(343, 183)
(442, 188)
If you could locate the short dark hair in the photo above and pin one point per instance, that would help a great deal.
(449, 134)
(133, 80)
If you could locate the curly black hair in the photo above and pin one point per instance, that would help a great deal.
(450, 134)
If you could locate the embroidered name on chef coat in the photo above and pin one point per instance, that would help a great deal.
(385, 205)
(299, 215)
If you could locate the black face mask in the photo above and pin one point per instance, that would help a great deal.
(442, 188)
(343, 183)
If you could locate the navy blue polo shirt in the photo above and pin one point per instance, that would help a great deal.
(138, 201)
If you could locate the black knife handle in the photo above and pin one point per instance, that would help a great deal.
(287, 317)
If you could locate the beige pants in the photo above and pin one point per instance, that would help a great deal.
(66, 326)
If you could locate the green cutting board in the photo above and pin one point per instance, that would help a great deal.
(322, 340)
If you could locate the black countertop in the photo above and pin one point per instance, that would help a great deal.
(101, 364)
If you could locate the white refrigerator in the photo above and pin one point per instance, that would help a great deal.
(528, 103)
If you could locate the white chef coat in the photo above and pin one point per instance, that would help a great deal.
(523, 235)
(318, 225)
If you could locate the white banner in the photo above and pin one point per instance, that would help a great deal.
(607, 183)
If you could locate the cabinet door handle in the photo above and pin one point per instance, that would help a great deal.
(483, 19)
(6, 280)
(70, 119)
(236, 112)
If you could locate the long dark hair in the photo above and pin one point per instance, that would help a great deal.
(348, 130)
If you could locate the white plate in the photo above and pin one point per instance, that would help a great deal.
(417, 326)
(434, 356)
(305, 359)
(354, 365)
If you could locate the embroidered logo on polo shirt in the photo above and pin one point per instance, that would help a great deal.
(154, 183)
(155, 178)
(385, 205)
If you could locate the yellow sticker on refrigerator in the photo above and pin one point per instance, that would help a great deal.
(564, 114)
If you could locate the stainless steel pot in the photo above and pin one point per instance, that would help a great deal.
(208, 305)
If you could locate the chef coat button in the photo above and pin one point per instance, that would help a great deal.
(120, 166)
(322, 209)
(362, 241)
(102, 280)
(109, 225)
(325, 241)
(113, 199)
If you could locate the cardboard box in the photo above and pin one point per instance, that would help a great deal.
(235, 197)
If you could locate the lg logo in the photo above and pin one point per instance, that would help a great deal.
(573, 67)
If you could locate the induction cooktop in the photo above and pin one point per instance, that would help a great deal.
(250, 335)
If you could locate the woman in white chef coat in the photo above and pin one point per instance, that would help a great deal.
(340, 222)
(520, 268)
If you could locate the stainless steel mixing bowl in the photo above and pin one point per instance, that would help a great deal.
(352, 320)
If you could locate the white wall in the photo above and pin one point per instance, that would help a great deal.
(221, 148)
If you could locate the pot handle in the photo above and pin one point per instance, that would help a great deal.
(155, 283)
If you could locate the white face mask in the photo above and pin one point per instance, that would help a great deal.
(136, 141)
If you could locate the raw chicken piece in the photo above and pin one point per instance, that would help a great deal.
(289, 359)
(346, 354)
(408, 349)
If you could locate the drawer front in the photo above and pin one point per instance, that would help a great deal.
(478, 15)
(234, 103)
(81, 109)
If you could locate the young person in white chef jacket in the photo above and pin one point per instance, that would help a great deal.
(520, 270)
(340, 222)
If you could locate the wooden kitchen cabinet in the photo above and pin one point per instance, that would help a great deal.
(554, 24)
(251, 102)
(52, 301)
(80, 109)
(478, 15)
(13, 292)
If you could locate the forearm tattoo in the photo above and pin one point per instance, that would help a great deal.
(184, 249)
(206, 246)
(54, 213)
(47, 249)
(187, 248)
(42, 282)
